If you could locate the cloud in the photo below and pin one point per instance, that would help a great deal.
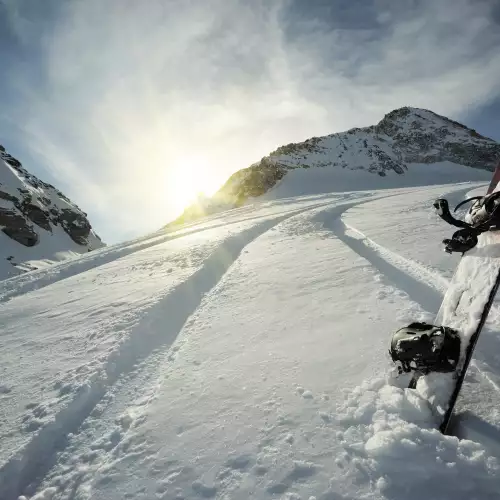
(441, 55)
(128, 90)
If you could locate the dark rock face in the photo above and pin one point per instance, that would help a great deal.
(310, 146)
(75, 224)
(252, 181)
(10, 159)
(16, 227)
(35, 214)
(7, 196)
(383, 162)
(44, 206)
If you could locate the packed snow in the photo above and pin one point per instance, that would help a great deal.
(244, 356)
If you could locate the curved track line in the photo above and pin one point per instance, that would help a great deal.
(420, 272)
(157, 330)
(419, 291)
(422, 285)
(35, 280)
(426, 286)
(485, 375)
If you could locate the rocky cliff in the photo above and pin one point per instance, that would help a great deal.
(38, 223)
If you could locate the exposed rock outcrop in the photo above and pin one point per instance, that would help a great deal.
(16, 227)
(422, 136)
(36, 215)
(252, 181)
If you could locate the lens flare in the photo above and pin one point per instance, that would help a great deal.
(191, 179)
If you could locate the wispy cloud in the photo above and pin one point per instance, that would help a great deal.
(130, 89)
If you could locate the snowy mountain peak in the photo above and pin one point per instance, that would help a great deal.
(424, 136)
(407, 117)
(38, 223)
(409, 146)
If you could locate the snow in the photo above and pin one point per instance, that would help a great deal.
(52, 246)
(318, 180)
(405, 456)
(244, 356)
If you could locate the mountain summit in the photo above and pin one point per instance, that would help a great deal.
(409, 146)
(38, 223)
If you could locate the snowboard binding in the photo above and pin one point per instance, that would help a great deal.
(483, 215)
(425, 348)
(461, 241)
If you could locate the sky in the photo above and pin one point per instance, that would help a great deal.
(133, 107)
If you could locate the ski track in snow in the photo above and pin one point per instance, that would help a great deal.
(486, 374)
(423, 284)
(426, 287)
(29, 465)
(431, 278)
(36, 280)
(389, 260)
(35, 459)
(398, 270)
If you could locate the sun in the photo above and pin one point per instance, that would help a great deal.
(189, 177)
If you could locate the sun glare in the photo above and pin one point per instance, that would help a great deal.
(191, 176)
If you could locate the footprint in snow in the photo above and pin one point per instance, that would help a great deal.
(203, 490)
(325, 417)
(239, 462)
(260, 470)
(300, 472)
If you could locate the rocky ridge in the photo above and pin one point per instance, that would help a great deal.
(403, 137)
(33, 211)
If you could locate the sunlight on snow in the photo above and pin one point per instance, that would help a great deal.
(192, 177)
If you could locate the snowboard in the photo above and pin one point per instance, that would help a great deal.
(465, 308)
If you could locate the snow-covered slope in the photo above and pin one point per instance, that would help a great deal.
(408, 147)
(39, 225)
(243, 357)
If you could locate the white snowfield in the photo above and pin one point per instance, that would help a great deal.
(244, 357)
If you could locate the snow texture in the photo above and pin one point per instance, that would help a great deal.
(244, 356)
